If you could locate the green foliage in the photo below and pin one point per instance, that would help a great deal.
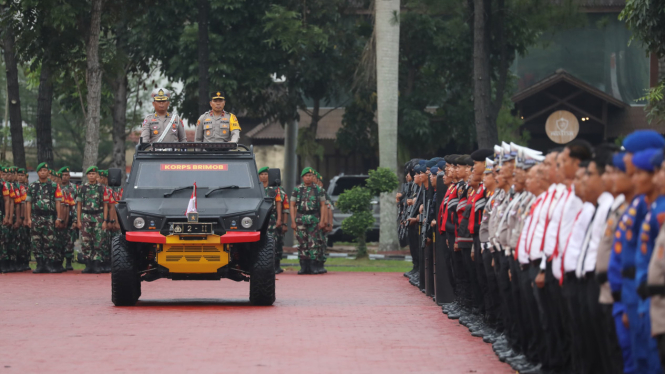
(355, 200)
(509, 127)
(382, 180)
(359, 132)
(645, 19)
(357, 225)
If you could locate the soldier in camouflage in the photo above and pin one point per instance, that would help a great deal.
(24, 232)
(107, 234)
(71, 234)
(17, 243)
(275, 221)
(281, 231)
(89, 220)
(308, 204)
(321, 257)
(43, 217)
(5, 264)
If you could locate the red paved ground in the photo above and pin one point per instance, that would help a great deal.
(334, 323)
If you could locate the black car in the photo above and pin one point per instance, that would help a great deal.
(226, 238)
(339, 184)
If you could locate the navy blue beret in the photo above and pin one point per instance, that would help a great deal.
(643, 139)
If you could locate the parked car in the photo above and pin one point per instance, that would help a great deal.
(339, 184)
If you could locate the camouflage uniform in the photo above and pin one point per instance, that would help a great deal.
(43, 197)
(91, 197)
(23, 233)
(279, 235)
(4, 230)
(324, 235)
(71, 234)
(308, 215)
(16, 245)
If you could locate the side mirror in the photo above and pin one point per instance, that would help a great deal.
(274, 177)
(115, 177)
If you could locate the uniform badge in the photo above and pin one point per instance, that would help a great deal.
(198, 122)
(208, 133)
(154, 120)
(224, 132)
(632, 211)
(155, 132)
(629, 235)
(617, 248)
(644, 248)
(617, 234)
(661, 252)
(644, 237)
(622, 225)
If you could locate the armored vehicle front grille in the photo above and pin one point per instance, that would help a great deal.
(192, 249)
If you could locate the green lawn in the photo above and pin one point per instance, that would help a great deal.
(361, 265)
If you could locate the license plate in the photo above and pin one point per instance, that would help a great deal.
(192, 228)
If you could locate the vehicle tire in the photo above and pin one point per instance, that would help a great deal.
(125, 279)
(262, 277)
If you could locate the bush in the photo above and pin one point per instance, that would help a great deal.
(357, 201)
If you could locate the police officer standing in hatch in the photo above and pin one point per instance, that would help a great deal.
(162, 126)
(217, 125)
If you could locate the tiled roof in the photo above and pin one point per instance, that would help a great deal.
(327, 128)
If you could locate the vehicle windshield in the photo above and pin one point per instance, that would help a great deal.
(346, 183)
(169, 174)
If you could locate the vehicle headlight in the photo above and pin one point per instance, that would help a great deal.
(246, 222)
(139, 222)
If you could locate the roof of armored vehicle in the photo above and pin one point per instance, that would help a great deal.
(194, 150)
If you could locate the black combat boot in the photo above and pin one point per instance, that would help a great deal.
(40, 269)
(68, 264)
(50, 267)
(88, 267)
(4, 266)
(315, 267)
(303, 267)
(96, 267)
(278, 268)
(57, 265)
(322, 269)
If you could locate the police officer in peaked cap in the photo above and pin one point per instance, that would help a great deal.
(162, 126)
(217, 125)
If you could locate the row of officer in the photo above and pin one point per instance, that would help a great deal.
(556, 259)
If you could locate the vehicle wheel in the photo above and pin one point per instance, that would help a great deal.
(262, 277)
(125, 279)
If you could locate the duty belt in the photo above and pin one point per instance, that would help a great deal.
(308, 212)
(44, 213)
(616, 295)
(601, 277)
(656, 290)
(628, 272)
(96, 211)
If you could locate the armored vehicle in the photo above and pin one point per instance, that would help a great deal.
(225, 236)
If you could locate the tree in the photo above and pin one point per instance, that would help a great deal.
(94, 83)
(357, 200)
(501, 30)
(645, 19)
(13, 95)
(387, 89)
(204, 55)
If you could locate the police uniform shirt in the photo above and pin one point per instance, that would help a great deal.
(605, 249)
(656, 277)
(211, 128)
(503, 230)
(484, 231)
(517, 219)
(523, 254)
(154, 125)
(647, 238)
(499, 198)
(587, 260)
(552, 232)
(570, 245)
(536, 234)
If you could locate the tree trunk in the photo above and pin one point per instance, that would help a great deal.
(486, 131)
(204, 55)
(15, 120)
(43, 125)
(119, 112)
(387, 68)
(94, 83)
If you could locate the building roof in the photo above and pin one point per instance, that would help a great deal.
(327, 128)
(562, 76)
